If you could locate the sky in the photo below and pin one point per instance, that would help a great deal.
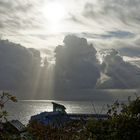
(44, 23)
(99, 38)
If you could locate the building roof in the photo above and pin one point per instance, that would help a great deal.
(58, 105)
(17, 125)
(55, 118)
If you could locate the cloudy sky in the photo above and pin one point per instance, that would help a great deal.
(88, 31)
(44, 23)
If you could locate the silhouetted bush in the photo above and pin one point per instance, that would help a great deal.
(123, 123)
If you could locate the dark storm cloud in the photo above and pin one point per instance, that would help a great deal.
(18, 67)
(120, 74)
(76, 68)
(76, 64)
(23, 71)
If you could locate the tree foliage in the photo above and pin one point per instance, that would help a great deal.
(4, 98)
(123, 123)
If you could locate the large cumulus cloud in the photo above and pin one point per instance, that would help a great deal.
(119, 74)
(76, 68)
(18, 66)
(76, 64)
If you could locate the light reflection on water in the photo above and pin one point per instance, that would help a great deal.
(24, 109)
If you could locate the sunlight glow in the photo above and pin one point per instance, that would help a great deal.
(54, 12)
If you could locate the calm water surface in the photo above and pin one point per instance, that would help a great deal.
(24, 109)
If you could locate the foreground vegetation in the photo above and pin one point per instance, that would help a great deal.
(123, 123)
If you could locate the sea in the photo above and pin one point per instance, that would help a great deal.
(24, 109)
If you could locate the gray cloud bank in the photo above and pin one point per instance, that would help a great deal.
(119, 74)
(124, 10)
(76, 64)
(18, 66)
(76, 68)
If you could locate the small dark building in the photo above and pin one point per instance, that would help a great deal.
(51, 118)
(58, 108)
(57, 117)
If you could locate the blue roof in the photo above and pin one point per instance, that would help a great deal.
(50, 118)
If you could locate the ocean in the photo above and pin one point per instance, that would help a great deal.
(24, 109)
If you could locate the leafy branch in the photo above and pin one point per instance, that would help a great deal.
(4, 98)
